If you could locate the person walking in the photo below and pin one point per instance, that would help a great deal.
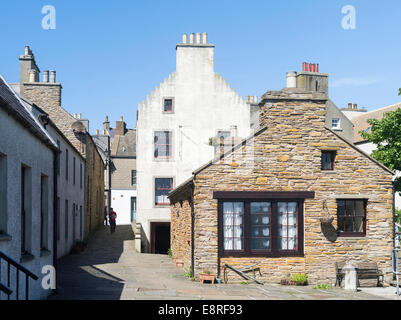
(112, 220)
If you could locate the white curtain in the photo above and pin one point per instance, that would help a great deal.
(288, 225)
(233, 223)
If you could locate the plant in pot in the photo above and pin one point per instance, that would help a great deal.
(206, 275)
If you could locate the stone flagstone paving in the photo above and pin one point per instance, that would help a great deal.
(111, 269)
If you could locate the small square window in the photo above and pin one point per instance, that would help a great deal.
(335, 123)
(168, 106)
(351, 216)
(223, 134)
(328, 158)
(133, 178)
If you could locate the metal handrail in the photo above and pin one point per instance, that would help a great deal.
(5, 289)
(18, 267)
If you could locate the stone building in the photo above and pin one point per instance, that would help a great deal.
(292, 198)
(27, 175)
(47, 95)
(177, 127)
(122, 165)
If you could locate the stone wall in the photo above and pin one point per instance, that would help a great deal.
(181, 232)
(286, 156)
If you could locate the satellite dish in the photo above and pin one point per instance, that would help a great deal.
(78, 127)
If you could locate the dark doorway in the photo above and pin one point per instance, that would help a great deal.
(160, 237)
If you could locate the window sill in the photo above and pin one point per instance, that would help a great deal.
(26, 258)
(329, 171)
(5, 237)
(45, 253)
(337, 129)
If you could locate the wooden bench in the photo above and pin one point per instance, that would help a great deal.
(364, 270)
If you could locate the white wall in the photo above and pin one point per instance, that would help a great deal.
(20, 147)
(74, 193)
(203, 104)
(121, 204)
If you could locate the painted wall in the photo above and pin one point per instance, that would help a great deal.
(121, 204)
(19, 147)
(203, 104)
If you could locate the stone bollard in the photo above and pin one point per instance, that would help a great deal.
(350, 277)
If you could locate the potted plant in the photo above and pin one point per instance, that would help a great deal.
(206, 275)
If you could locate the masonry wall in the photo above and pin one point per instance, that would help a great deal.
(287, 157)
(181, 232)
(20, 147)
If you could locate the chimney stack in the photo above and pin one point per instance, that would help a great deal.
(27, 51)
(120, 127)
(46, 76)
(291, 79)
(97, 132)
(32, 75)
(204, 38)
(52, 76)
(75, 115)
(80, 116)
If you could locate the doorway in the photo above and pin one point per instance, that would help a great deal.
(160, 237)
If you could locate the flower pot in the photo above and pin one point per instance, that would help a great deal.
(206, 277)
(179, 264)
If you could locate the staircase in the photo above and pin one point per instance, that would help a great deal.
(14, 266)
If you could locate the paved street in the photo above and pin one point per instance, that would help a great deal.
(110, 269)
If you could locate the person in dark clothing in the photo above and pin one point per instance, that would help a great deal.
(112, 220)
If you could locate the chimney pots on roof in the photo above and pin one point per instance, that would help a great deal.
(97, 132)
(198, 38)
(32, 75)
(75, 115)
(80, 116)
(184, 38)
(191, 38)
(46, 76)
(52, 76)
(27, 50)
(204, 38)
(121, 118)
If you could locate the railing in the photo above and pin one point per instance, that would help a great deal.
(396, 268)
(18, 268)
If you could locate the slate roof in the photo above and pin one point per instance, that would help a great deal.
(13, 105)
(361, 122)
(124, 146)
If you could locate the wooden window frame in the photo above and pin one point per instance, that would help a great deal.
(364, 219)
(155, 185)
(164, 105)
(333, 155)
(274, 230)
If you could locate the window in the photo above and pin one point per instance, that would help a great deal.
(3, 194)
(26, 209)
(66, 220)
(223, 134)
(163, 144)
(44, 213)
(351, 216)
(133, 209)
(66, 164)
(335, 123)
(328, 158)
(80, 175)
(260, 227)
(162, 188)
(168, 106)
(133, 178)
(73, 171)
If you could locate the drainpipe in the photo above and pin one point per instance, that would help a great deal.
(192, 230)
(55, 218)
(109, 169)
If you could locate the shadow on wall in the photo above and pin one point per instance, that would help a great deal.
(80, 277)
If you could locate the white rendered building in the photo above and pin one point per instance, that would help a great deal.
(176, 127)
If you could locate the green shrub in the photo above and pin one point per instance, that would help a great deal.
(170, 253)
(323, 286)
(299, 278)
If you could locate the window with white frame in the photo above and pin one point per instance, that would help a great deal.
(163, 147)
(163, 186)
(335, 123)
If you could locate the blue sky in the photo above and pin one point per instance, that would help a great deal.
(110, 54)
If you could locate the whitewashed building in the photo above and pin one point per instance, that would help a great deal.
(177, 127)
(360, 122)
(70, 186)
(27, 161)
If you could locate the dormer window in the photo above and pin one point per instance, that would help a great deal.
(168, 105)
(328, 158)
